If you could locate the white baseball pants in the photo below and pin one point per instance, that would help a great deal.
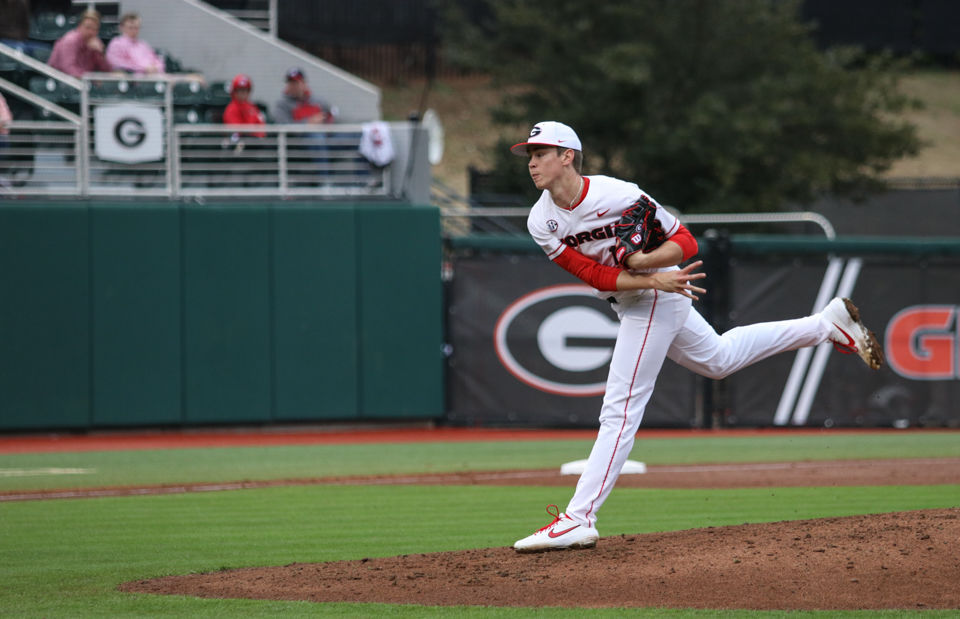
(654, 326)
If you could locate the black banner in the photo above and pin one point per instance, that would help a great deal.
(531, 346)
(911, 304)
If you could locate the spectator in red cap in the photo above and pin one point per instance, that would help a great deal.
(298, 105)
(240, 111)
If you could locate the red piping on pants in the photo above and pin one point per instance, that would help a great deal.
(626, 406)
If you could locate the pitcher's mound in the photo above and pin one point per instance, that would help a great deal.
(899, 560)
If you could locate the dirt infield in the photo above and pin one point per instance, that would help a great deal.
(903, 560)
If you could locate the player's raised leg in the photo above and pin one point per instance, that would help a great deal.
(700, 349)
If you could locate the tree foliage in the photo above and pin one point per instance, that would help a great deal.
(709, 105)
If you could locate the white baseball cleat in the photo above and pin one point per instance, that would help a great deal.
(848, 333)
(560, 534)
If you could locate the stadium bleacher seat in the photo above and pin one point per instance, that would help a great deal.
(149, 90)
(8, 65)
(10, 70)
(171, 63)
(54, 91)
(213, 115)
(218, 93)
(189, 93)
(49, 27)
(41, 53)
(188, 114)
(110, 89)
(21, 110)
(42, 114)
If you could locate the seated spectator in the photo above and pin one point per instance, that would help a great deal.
(128, 52)
(80, 50)
(5, 119)
(240, 111)
(298, 105)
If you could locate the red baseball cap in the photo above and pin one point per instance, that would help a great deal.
(241, 81)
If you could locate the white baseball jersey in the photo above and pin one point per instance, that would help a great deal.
(589, 227)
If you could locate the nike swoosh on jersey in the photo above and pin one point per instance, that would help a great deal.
(552, 533)
(602, 213)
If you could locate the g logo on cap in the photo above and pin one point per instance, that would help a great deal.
(548, 133)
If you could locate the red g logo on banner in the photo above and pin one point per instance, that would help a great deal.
(923, 342)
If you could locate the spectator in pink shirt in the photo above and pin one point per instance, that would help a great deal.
(5, 117)
(130, 53)
(80, 50)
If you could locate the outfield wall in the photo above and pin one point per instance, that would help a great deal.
(161, 313)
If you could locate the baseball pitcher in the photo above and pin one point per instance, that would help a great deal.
(620, 241)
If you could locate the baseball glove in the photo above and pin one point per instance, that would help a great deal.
(638, 230)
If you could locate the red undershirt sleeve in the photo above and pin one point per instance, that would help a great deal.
(597, 275)
(686, 241)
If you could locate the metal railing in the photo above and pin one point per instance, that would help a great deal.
(287, 160)
(61, 155)
(510, 219)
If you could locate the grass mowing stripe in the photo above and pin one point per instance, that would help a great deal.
(114, 468)
(65, 558)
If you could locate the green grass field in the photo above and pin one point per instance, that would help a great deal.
(65, 558)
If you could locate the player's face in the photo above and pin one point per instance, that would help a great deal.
(545, 166)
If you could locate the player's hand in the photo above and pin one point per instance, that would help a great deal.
(679, 281)
(667, 255)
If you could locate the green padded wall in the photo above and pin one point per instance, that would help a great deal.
(158, 313)
(315, 317)
(136, 314)
(226, 299)
(44, 316)
(401, 312)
